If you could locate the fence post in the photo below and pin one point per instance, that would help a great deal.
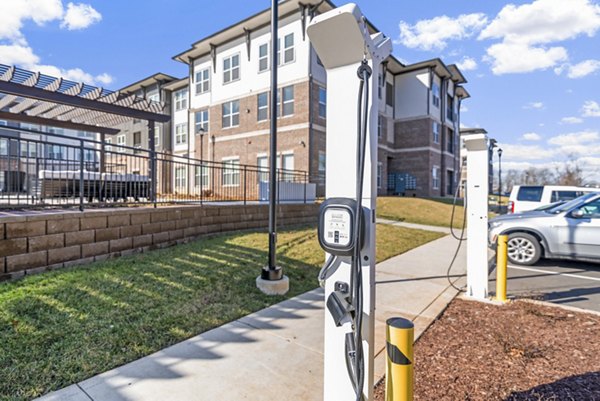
(153, 164)
(245, 182)
(305, 184)
(81, 151)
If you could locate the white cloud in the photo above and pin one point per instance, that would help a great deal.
(463, 109)
(571, 120)
(590, 109)
(467, 64)
(14, 48)
(434, 34)
(534, 106)
(528, 30)
(579, 70)
(80, 16)
(520, 152)
(574, 138)
(531, 136)
(511, 58)
(544, 21)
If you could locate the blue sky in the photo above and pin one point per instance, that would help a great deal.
(533, 66)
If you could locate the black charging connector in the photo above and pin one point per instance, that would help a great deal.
(338, 305)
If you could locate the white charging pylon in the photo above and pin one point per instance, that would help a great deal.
(342, 40)
(476, 199)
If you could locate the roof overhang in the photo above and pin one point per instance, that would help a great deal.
(41, 99)
(457, 76)
(252, 23)
(436, 64)
(461, 92)
(178, 84)
(145, 82)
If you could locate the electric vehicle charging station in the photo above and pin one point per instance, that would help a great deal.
(476, 200)
(352, 58)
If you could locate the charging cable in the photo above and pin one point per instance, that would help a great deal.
(460, 238)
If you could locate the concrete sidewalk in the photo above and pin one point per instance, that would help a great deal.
(277, 353)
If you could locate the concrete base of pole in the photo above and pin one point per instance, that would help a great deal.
(273, 287)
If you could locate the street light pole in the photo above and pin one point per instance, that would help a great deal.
(271, 280)
(499, 178)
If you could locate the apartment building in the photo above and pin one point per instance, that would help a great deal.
(221, 110)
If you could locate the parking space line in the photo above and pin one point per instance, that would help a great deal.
(555, 273)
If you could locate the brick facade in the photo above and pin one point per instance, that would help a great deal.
(29, 244)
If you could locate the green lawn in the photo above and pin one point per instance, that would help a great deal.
(61, 327)
(420, 211)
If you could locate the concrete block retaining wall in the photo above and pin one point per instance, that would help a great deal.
(39, 242)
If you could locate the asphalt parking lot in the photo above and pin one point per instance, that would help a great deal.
(562, 282)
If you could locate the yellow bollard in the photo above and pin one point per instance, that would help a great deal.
(501, 267)
(400, 335)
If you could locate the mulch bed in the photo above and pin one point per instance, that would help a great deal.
(519, 351)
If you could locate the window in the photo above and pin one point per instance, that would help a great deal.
(108, 147)
(591, 210)
(262, 162)
(379, 173)
(449, 182)
(322, 161)
(564, 195)
(449, 108)
(155, 97)
(201, 176)
(288, 49)
(201, 119)
(322, 102)
(435, 178)
(231, 114)
(450, 142)
(181, 98)
(203, 81)
(263, 57)
(436, 94)
(288, 100)
(137, 140)
(262, 106)
(121, 142)
(379, 86)
(180, 134)
(157, 136)
(530, 194)
(231, 172)
(380, 123)
(389, 94)
(436, 132)
(231, 68)
(287, 165)
(180, 177)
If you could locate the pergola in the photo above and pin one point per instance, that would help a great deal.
(35, 98)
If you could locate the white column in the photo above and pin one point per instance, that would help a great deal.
(477, 214)
(340, 39)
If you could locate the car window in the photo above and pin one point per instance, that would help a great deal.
(530, 194)
(572, 204)
(591, 210)
(564, 195)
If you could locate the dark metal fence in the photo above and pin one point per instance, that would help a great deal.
(43, 169)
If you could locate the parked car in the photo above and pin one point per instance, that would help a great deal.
(568, 231)
(530, 197)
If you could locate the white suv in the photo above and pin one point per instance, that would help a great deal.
(529, 197)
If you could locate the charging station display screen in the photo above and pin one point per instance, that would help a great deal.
(337, 230)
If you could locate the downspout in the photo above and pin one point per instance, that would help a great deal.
(310, 99)
(443, 97)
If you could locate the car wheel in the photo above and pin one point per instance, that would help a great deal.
(523, 249)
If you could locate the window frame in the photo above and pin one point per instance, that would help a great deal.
(204, 122)
(435, 177)
(232, 68)
(264, 108)
(182, 134)
(181, 180)
(264, 57)
(435, 95)
(287, 102)
(204, 82)
(231, 169)
(435, 129)
(180, 99)
(231, 115)
(322, 102)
